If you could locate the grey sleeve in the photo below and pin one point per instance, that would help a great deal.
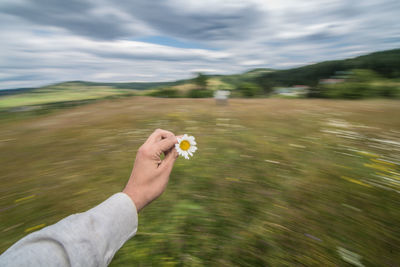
(84, 239)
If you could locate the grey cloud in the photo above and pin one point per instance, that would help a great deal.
(154, 56)
(76, 16)
(216, 23)
(94, 43)
(27, 77)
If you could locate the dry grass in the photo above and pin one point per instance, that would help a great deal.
(274, 182)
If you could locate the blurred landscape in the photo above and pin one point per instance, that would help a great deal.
(371, 76)
(294, 106)
(293, 170)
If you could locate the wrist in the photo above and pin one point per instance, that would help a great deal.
(136, 199)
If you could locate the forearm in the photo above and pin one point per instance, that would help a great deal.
(93, 237)
(85, 239)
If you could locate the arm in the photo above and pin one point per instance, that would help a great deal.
(85, 239)
(93, 237)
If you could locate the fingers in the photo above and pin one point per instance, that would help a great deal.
(158, 135)
(167, 143)
(169, 160)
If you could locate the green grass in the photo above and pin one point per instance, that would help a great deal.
(66, 92)
(275, 182)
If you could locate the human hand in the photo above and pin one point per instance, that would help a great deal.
(150, 174)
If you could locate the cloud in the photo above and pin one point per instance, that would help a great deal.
(81, 17)
(198, 20)
(45, 41)
(69, 57)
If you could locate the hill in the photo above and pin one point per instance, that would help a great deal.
(15, 91)
(128, 85)
(65, 94)
(385, 63)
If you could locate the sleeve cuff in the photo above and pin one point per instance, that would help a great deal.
(118, 217)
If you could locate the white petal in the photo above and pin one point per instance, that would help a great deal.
(192, 148)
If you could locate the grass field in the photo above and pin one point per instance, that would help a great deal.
(275, 182)
(64, 92)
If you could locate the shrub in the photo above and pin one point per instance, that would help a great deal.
(389, 91)
(197, 93)
(361, 84)
(168, 93)
(249, 89)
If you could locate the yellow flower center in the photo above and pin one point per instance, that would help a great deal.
(184, 145)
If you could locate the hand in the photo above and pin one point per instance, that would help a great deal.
(150, 174)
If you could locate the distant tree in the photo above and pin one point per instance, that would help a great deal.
(360, 84)
(196, 93)
(385, 63)
(248, 89)
(201, 81)
(165, 92)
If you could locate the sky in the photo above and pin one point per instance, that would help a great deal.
(49, 41)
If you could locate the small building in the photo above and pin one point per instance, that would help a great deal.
(294, 91)
(221, 97)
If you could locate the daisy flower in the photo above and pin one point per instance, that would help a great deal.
(186, 146)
